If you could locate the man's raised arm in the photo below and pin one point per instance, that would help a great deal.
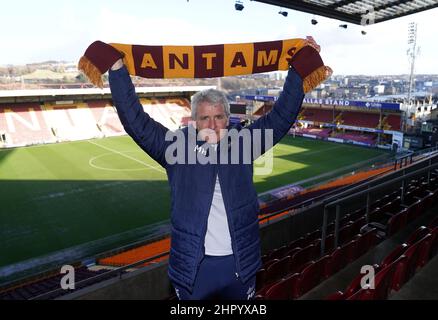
(145, 131)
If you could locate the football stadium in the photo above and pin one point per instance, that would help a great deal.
(346, 190)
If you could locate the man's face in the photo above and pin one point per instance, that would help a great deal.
(211, 118)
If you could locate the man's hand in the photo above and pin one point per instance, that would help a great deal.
(313, 43)
(98, 59)
(116, 66)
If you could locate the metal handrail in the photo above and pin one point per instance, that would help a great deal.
(329, 203)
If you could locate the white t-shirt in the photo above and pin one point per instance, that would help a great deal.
(217, 238)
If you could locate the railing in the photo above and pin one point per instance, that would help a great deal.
(328, 203)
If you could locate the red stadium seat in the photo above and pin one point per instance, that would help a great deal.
(394, 255)
(284, 289)
(312, 275)
(329, 242)
(267, 264)
(313, 235)
(357, 225)
(405, 267)
(337, 262)
(382, 286)
(352, 289)
(434, 223)
(345, 234)
(414, 210)
(277, 270)
(291, 252)
(279, 252)
(351, 250)
(260, 279)
(424, 247)
(393, 224)
(300, 242)
(417, 235)
(366, 241)
(434, 243)
(302, 257)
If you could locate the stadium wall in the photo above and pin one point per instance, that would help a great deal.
(149, 283)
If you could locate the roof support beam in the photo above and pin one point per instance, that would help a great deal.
(332, 11)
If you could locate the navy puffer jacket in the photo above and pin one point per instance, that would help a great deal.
(192, 185)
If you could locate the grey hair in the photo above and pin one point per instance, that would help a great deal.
(211, 96)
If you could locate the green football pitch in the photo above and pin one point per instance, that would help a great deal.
(58, 196)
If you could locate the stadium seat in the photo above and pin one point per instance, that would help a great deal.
(434, 242)
(345, 234)
(300, 242)
(291, 252)
(434, 223)
(300, 258)
(312, 275)
(278, 253)
(417, 235)
(382, 286)
(394, 255)
(284, 289)
(392, 206)
(337, 262)
(267, 264)
(424, 247)
(366, 241)
(414, 209)
(351, 250)
(377, 215)
(357, 225)
(313, 235)
(329, 243)
(352, 288)
(405, 267)
(277, 270)
(359, 213)
(260, 279)
(392, 225)
(397, 222)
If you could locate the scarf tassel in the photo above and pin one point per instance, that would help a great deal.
(316, 77)
(90, 70)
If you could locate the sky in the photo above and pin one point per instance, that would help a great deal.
(34, 31)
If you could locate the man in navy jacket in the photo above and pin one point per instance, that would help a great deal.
(215, 244)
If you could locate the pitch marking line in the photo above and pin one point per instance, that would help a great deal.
(129, 157)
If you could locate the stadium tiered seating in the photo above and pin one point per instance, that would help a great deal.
(319, 115)
(397, 268)
(322, 133)
(303, 268)
(360, 119)
(25, 124)
(105, 115)
(169, 112)
(72, 122)
(368, 139)
(52, 283)
(394, 122)
(303, 262)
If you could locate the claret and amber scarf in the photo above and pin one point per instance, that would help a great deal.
(207, 61)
